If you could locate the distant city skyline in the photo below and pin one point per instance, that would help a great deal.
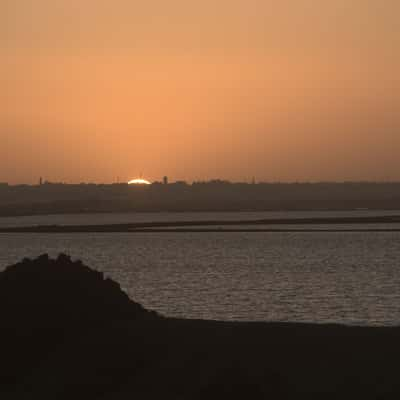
(168, 181)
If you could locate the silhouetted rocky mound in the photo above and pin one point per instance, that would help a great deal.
(63, 292)
(45, 304)
(66, 332)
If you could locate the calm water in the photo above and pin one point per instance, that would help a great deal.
(321, 277)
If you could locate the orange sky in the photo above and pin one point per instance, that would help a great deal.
(288, 90)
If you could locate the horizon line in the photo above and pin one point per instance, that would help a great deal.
(209, 181)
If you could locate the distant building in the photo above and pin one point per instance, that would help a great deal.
(165, 180)
(40, 181)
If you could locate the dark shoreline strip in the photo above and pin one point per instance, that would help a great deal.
(61, 230)
(213, 226)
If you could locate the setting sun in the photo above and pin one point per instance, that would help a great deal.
(139, 181)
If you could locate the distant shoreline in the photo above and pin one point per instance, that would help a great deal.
(220, 226)
(2, 231)
(211, 196)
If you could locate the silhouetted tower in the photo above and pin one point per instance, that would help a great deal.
(40, 181)
(165, 180)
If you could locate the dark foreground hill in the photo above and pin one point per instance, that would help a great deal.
(66, 332)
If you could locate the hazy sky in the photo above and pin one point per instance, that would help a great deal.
(280, 90)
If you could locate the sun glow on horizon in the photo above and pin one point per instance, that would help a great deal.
(139, 181)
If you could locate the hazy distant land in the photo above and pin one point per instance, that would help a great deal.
(57, 198)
